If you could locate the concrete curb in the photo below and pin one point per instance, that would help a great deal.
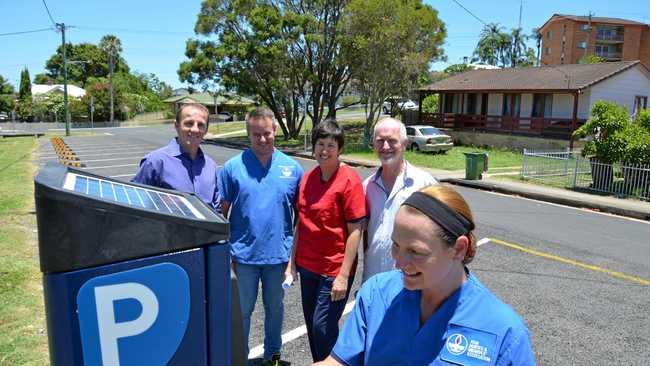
(546, 197)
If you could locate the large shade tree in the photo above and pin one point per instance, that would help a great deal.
(286, 52)
(85, 60)
(389, 46)
(112, 46)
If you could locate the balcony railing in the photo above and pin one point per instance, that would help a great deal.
(533, 126)
(617, 37)
(609, 55)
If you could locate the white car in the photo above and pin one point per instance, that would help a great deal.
(427, 138)
(402, 105)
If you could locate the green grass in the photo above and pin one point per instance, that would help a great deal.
(23, 339)
(226, 127)
(454, 159)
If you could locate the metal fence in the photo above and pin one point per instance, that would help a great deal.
(569, 169)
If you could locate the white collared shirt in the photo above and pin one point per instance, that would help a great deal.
(382, 209)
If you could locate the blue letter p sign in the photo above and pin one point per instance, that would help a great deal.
(135, 317)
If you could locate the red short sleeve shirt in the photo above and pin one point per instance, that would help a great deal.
(324, 210)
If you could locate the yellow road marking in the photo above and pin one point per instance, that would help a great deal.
(572, 262)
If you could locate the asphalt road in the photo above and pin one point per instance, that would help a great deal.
(580, 279)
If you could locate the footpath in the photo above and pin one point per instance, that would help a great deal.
(617, 206)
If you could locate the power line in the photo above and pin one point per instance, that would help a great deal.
(48, 12)
(470, 13)
(137, 31)
(25, 32)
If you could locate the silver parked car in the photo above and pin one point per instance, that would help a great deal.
(427, 138)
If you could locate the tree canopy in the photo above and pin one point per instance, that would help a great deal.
(6, 95)
(389, 46)
(85, 60)
(286, 52)
(498, 47)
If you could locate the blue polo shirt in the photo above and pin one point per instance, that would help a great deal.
(471, 327)
(262, 201)
(169, 167)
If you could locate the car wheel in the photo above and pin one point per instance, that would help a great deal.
(415, 147)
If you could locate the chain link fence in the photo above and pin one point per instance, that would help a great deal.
(568, 169)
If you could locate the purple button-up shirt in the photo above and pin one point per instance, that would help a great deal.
(169, 167)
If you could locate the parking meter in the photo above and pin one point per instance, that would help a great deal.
(133, 275)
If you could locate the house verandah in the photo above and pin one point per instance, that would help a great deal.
(547, 101)
(544, 113)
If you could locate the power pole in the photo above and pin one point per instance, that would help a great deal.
(521, 7)
(61, 27)
(588, 35)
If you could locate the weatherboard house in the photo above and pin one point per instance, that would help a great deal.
(547, 101)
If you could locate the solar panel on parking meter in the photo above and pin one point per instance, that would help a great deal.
(126, 272)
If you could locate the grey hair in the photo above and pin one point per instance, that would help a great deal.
(261, 112)
(402, 128)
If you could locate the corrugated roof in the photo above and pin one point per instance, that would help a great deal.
(561, 77)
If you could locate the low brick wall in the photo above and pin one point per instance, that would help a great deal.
(514, 142)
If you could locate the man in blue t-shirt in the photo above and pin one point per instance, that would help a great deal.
(258, 192)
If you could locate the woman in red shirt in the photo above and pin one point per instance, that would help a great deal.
(331, 208)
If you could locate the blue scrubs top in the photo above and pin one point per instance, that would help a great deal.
(262, 201)
(471, 327)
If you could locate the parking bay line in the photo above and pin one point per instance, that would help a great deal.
(572, 262)
(108, 166)
(293, 334)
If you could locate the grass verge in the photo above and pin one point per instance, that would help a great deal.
(23, 340)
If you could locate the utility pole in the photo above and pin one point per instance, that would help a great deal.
(588, 35)
(61, 27)
(521, 7)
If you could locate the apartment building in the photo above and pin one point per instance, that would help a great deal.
(568, 38)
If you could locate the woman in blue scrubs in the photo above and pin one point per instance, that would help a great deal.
(431, 310)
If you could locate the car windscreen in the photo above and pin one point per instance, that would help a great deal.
(430, 131)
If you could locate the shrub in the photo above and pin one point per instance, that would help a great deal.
(430, 104)
(608, 125)
(643, 119)
(637, 145)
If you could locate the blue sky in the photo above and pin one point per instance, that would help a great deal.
(153, 33)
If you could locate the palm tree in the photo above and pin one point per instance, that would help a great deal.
(113, 47)
(517, 46)
(490, 46)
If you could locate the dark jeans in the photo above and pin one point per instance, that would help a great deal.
(321, 313)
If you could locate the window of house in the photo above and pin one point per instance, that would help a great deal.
(449, 103)
(542, 105)
(548, 50)
(471, 103)
(549, 34)
(582, 45)
(511, 105)
(640, 102)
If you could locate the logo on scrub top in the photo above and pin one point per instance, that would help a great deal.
(456, 344)
(286, 171)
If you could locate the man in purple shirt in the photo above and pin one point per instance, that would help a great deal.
(181, 165)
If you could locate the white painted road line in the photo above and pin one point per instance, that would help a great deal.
(121, 175)
(108, 166)
(137, 153)
(293, 334)
(98, 160)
